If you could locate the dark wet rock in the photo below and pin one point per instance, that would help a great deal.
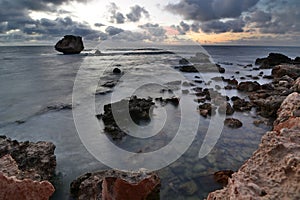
(173, 100)
(297, 60)
(139, 110)
(226, 108)
(256, 69)
(292, 71)
(207, 109)
(228, 87)
(20, 121)
(235, 98)
(70, 44)
(117, 71)
(255, 78)
(58, 107)
(217, 78)
(223, 176)
(237, 72)
(103, 91)
(268, 86)
(272, 60)
(117, 185)
(109, 84)
(249, 86)
(242, 105)
(243, 78)
(206, 67)
(261, 73)
(188, 69)
(184, 61)
(267, 107)
(249, 75)
(198, 81)
(35, 160)
(231, 81)
(268, 77)
(233, 123)
(197, 77)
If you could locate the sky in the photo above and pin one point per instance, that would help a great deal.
(207, 22)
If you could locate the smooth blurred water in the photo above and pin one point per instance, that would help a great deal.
(34, 78)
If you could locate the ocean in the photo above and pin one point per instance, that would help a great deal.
(38, 86)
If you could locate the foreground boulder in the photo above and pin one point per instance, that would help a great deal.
(26, 169)
(273, 170)
(12, 188)
(249, 86)
(70, 44)
(292, 71)
(116, 185)
(36, 160)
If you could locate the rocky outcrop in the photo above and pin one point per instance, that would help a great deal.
(36, 160)
(139, 110)
(12, 188)
(273, 171)
(272, 60)
(116, 185)
(70, 44)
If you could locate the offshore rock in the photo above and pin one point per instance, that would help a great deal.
(273, 171)
(233, 123)
(70, 44)
(116, 185)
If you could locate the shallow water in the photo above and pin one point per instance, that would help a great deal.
(32, 78)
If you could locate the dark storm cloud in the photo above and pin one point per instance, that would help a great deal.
(136, 13)
(116, 16)
(154, 31)
(206, 10)
(217, 26)
(276, 16)
(113, 30)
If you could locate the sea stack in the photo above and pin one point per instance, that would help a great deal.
(70, 44)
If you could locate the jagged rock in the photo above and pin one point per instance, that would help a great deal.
(12, 188)
(116, 185)
(241, 105)
(292, 71)
(267, 107)
(139, 110)
(296, 86)
(233, 123)
(273, 170)
(272, 60)
(249, 86)
(36, 160)
(70, 44)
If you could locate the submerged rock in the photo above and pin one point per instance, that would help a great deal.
(207, 109)
(116, 71)
(70, 44)
(273, 170)
(116, 185)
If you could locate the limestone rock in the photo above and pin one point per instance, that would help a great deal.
(292, 71)
(117, 185)
(249, 86)
(70, 44)
(12, 188)
(273, 171)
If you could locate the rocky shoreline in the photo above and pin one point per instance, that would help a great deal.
(31, 166)
(273, 170)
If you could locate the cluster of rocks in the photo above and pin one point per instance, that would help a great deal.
(275, 59)
(273, 170)
(117, 185)
(26, 169)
